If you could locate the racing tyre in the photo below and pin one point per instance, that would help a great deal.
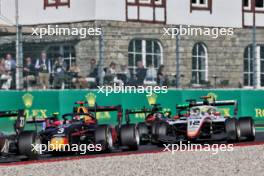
(129, 136)
(154, 128)
(232, 130)
(247, 128)
(161, 129)
(26, 140)
(143, 132)
(103, 136)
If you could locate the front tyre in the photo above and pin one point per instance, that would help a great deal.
(232, 130)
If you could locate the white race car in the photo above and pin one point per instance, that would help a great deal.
(203, 122)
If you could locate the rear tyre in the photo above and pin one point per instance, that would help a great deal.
(103, 136)
(161, 129)
(154, 126)
(158, 129)
(143, 132)
(247, 128)
(26, 140)
(232, 130)
(129, 135)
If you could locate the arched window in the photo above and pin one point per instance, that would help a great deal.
(148, 51)
(249, 65)
(199, 64)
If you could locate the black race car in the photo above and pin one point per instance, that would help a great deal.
(154, 117)
(81, 127)
(20, 144)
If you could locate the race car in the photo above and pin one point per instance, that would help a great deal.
(203, 121)
(81, 127)
(127, 134)
(154, 117)
(19, 144)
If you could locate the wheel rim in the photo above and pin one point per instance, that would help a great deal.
(253, 130)
(109, 139)
(37, 141)
(5, 147)
(137, 136)
(238, 132)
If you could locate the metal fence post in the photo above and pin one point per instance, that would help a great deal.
(19, 52)
(178, 77)
(256, 59)
(101, 58)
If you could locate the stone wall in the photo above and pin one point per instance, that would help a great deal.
(225, 54)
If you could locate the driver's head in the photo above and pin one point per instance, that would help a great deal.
(84, 118)
(76, 117)
(87, 118)
(158, 115)
(211, 111)
(196, 111)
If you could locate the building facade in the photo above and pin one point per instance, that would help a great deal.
(133, 30)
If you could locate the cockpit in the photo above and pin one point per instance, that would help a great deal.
(203, 110)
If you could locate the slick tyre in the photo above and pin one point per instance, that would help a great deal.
(161, 129)
(247, 128)
(103, 136)
(26, 140)
(154, 126)
(130, 136)
(232, 130)
(143, 132)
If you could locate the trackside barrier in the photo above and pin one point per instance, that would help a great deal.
(44, 103)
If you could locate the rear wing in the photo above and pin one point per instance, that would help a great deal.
(35, 120)
(19, 122)
(216, 103)
(213, 103)
(12, 113)
(117, 108)
(227, 103)
(144, 110)
(136, 111)
(182, 106)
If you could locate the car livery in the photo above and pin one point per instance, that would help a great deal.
(81, 127)
(154, 116)
(204, 121)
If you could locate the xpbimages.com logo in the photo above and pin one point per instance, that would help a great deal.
(149, 90)
(80, 148)
(65, 31)
(172, 32)
(213, 148)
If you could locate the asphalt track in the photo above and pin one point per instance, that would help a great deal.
(142, 150)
